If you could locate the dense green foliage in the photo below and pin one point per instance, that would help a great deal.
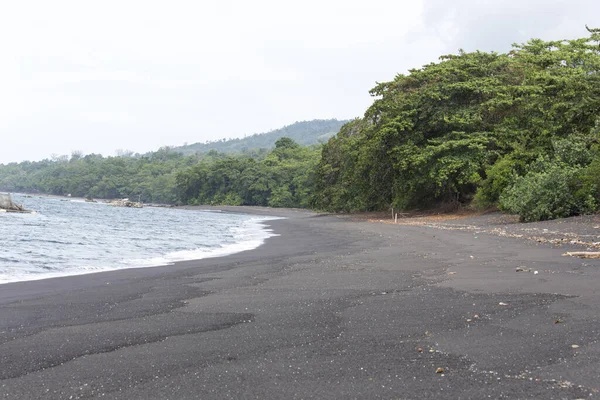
(285, 178)
(547, 194)
(305, 133)
(472, 126)
(150, 178)
(559, 187)
(252, 174)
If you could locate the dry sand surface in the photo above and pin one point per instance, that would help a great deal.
(336, 307)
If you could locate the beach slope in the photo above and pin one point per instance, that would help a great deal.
(332, 308)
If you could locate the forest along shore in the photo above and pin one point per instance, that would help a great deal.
(334, 307)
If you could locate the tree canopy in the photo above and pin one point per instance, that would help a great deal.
(284, 178)
(464, 127)
(150, 177)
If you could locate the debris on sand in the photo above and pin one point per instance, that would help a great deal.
(578, 233)
(582, 254)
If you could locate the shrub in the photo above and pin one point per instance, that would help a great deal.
(591, 179)
(556, 191)
(498, 177)
(572, 151)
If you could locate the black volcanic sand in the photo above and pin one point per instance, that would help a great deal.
(331, 308)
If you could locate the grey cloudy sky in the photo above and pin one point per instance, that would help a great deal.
(106, 75)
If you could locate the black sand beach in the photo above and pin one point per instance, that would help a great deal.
(333, 308)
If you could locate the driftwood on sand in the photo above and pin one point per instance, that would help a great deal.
(583, 254)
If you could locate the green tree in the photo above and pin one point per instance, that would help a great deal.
(470, 124)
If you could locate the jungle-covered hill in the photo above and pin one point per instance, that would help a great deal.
(305, 133)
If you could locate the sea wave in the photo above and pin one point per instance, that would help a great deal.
(248, 237)
(71, 238)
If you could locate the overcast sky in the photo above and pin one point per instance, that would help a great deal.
(106, 75)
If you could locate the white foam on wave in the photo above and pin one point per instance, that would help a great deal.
(248, 236)
(22, 275)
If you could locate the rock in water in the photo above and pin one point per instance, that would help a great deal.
(125, 203)
(7, 204)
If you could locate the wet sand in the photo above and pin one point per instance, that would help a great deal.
(334, 307)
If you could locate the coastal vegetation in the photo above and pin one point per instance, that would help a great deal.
(279, 178)
(517, 130)
(149, 178)
(284, 178)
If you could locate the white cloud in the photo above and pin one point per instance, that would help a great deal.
(493, 25)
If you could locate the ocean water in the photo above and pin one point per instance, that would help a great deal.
(72, 237)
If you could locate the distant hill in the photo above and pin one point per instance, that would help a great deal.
(305, 133)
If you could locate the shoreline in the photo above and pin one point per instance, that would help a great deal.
(258, 218)
(331, 308)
